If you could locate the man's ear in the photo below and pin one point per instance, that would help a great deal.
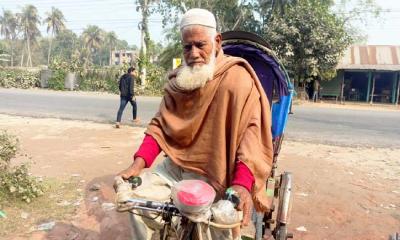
(218, 42)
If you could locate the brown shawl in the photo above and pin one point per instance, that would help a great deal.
(206, 130)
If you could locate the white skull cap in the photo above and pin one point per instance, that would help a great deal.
(198, 16)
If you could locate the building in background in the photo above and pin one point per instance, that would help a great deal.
(123, 56)
(366, 74)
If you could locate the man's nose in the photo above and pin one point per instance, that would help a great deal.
(194, 52)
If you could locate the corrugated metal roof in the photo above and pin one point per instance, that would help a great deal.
(371, 57)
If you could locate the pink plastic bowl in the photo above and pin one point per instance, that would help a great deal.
(195, 193)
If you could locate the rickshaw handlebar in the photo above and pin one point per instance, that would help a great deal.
(153, 206)
(160, 207)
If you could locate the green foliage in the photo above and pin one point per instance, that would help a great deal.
(230, 14)
(309, 39)
(57, 80)
(18, 78)
(54, 20)
(8, 149)
(101, 79)
(65, 44)
(156, 79)
(29, 21)
(15, 182)
(173, 49)
(60, 67)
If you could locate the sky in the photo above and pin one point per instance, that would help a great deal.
(121, 16)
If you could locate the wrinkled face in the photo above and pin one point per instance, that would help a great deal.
(198, 45)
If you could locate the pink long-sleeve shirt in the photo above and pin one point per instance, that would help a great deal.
(149, 150)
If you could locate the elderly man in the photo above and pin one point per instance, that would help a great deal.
(213, 124)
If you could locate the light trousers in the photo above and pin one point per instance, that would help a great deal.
(156, 186)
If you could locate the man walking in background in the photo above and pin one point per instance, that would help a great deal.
(126, 88)
(316, 88)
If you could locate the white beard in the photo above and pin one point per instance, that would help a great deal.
(191, 78)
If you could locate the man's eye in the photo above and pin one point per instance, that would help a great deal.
(200, 45)
(187, 47)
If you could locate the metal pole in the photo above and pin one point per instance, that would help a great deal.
(342, 86)
(398, 88)
(394, 81)
(373, 89)
(369, 85)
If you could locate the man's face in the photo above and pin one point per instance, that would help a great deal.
(198, 46)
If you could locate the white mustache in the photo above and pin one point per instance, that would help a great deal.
(191, 78)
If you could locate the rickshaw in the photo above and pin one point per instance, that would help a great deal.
(279, 90)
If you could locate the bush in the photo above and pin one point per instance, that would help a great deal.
(8, 149)
(101, 79)
(60, 67)
(15, 182)
(57, 80)
(18, 78)
(155, 81)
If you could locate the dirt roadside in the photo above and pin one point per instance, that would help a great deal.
(339, 192)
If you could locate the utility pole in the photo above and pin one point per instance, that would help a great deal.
(143, 43)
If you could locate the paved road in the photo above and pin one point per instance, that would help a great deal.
(355, 127)
(311, 124)
(99, 107)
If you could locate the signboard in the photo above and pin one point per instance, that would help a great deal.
(176, 62)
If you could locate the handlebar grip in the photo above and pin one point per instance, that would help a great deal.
(135, 181)
(231, 195)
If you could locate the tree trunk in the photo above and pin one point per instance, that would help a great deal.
(22, 55)
(143, 31)
(110, 56)
(50, 42)
(11, 46)
(29, 59)
(12, 52)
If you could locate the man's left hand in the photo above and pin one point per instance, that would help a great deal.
(246, 203)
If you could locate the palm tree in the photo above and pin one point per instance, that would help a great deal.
(92, 37)
(111, 41)
(55, 23)
(8, 28)
(28, 21)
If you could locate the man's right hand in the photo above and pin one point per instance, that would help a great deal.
(134, 169)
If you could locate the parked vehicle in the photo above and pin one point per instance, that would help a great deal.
(279, 91)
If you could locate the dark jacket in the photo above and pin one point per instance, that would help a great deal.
(126, 84)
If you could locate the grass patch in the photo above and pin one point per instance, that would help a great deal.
(59, 202)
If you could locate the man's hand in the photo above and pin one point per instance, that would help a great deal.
(246, 203)
(134, 169)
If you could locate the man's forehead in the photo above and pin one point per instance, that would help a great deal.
(195, 29)
(198, 32)
(195, 41)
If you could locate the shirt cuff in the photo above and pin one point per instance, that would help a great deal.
(243, 176)
(148, 150)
